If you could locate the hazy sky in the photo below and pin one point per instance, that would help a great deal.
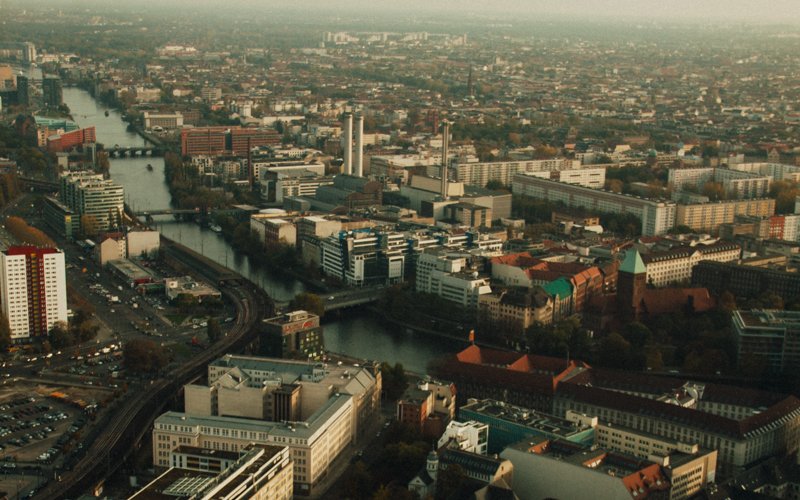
(697, 10)
(702, 11)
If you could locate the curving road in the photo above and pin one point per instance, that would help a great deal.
(131, 421)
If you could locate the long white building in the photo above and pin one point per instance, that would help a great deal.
(675, 265)
(657, 216)
(33, 291)
(479, 173)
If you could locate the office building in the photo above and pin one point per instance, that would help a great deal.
(203, 141)
(23, 91)
(52, 92)
(244, 140)
(707, 217)
(509, 424)
(771, 335)
(349, 192)
(60, 218)
(468, 214)
(657, 216)
(98, 202)
(33, 291)
(744, 425)
(447, 275)
(258, 472)
(163, 120)
(65, 142)
(744, 280)
(315, 409)
(555, 468)
(296, 335)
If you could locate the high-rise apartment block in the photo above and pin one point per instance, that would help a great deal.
(33, 290)
(90, 195)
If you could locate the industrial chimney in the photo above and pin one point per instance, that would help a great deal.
(445, 141)
(359, 160)
(348, 143)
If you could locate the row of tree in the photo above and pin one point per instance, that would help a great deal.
(27, 234)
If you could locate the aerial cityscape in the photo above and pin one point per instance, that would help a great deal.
(423, 250)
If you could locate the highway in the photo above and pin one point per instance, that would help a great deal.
(132, 421)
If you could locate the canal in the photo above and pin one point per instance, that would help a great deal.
(359, 335)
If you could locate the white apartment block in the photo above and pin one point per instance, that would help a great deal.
(675, 265)
(657, 216)
(777, 171)
(33, 291)
(478, 174)
(737, 184)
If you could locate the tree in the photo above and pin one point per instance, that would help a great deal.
(496, 185)
(449, 482)
(144, 356)
(214, 331)
(714, 190)
(614, 351)
(5, 333)
(394, 379)
(89, 225)
(60, 336)
(307, 301)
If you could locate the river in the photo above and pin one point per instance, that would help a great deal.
(359, 335)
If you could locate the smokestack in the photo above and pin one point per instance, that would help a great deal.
(445, 140)
(359, 160)
(348, 144)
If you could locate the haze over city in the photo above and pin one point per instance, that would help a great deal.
(406, 250)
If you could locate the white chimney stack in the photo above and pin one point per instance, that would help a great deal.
(359, 160)
(348, 144)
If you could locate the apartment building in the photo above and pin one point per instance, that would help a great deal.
(707, 217)
(89, 195)
(428, 407)
(657, 216)
(777, 171)
(33, 291)
(296, 334)
(773, 335)
(591, 177)
(470, 436)
(675, 265)
(480, 173)
(514, 310)
(737, 184)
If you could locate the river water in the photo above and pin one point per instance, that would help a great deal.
(359, 335)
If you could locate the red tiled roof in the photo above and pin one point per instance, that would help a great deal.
(667, 300)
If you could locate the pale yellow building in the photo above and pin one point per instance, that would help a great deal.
(707, 217)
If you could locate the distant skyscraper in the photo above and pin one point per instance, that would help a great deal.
(23, 91)
(33, 290)
(51, 88)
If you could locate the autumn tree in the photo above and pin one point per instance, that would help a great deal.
(144, 356)
(307, 301)
(26, 234)
(5, 333)
(89, 225)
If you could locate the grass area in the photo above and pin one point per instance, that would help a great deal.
(177, 319)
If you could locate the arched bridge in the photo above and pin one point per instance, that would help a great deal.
(121, 152)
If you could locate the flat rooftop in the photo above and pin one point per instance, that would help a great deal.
(534, 420)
